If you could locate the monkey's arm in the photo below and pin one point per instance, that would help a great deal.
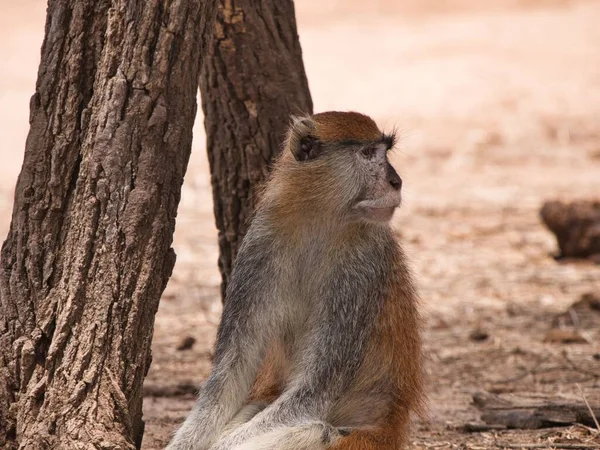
(246, 327)
(349, 304)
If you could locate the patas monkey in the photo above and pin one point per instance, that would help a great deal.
(319, 345)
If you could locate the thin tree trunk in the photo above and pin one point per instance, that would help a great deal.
(89, 249)
(252, 80)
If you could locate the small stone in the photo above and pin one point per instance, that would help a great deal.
(186, 343)
(479, 335)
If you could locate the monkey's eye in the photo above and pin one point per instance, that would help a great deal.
(368, 152)
(306, 144)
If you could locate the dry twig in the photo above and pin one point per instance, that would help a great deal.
(551, 445)
(589, 408)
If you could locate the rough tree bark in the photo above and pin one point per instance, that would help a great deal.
(89, 249)
(252, 79)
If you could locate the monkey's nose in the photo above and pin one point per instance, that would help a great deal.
(395, 181)
(393, 177)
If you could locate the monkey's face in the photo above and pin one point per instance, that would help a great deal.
(353, 178)
(380, 184)
(338, 165)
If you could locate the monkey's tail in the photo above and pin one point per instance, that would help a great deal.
(306, 436)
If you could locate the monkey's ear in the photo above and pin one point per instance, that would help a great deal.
(307, 148)
(302, 140)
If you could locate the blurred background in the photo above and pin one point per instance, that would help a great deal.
(498, 107)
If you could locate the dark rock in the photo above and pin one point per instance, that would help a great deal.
(479, 335)
(186, 343)
(576, 226)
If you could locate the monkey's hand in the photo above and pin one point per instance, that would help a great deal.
(191, 437)
(198, 432)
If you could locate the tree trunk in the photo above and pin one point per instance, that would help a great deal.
(252, 80)
(89, 249)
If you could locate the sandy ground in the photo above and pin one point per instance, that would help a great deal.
(498, 104)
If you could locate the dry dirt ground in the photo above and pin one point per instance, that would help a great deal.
(498, 104)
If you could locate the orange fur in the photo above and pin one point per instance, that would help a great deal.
(389, 436)
(340, 126)
(269, 382)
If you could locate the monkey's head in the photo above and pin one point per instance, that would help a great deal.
(335, 164)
